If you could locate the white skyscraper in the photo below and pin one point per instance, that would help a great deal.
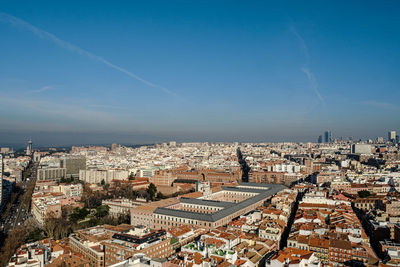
(392, 136)
(29, 148)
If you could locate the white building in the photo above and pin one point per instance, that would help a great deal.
(95, 176)
(147, 172)
(51, 173)
(30, 255)
(121, 206)
(295, 261)
(289, 168)
(70, 190)
(139, 260)
(361, 149)
(392, 136)
(44, 207)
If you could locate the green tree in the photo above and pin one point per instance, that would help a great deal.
(93, 222)
(35, 235)
(160, 195)
(103, 182)
(79, 214)
(102, 211)
(152, 190)
(364, 193)
(92, 199)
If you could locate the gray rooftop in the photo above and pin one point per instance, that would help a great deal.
(257, 184)
(205, 202)
(228, 207)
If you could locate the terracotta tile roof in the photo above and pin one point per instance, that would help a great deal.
(239, 262)
(303, 239)
(319, 243)
(224, 264)
(57, 248)
(341, 244)
(217, 259)
(180, 230)
(192, 195)
(198, 258)
(293, 255)
(213, 241)
(316, 206)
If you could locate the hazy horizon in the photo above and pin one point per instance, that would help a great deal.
(18, 141)
(156, 71)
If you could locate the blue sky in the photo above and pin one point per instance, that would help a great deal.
(75, 72)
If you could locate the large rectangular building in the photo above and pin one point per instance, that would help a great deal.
(271, 177)
(154, 244)
(44, 206)
(216, 209)
(73, 164)
(96, 176)
(361, 149)
(51, 173)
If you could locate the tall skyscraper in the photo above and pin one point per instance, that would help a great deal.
(392, 136)
(328, 137)
(29, 148)
(320, 139)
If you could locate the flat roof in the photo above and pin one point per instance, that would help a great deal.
(228, 207)
(206, 202)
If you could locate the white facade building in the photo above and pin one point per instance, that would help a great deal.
(121, 206)
(70, 190)
(361, 149)
(97, 176)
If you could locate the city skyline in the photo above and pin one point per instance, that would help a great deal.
(137, 73)
(199, 133)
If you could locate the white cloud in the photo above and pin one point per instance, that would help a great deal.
(313, 83)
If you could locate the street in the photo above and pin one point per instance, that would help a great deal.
(20, 212)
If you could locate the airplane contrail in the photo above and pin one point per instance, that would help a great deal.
(303, 45)
(313, 83)
(6, 18)
(310, 75)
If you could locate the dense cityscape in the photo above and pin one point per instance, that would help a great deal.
(199, 133)
(329, 203)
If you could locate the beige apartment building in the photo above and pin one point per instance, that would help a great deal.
(45, 206)
(154, 244)
(121, 206)
(88, 243)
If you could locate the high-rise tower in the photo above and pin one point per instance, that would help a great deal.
(29, 148)
(328, 137)
(392, 136)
